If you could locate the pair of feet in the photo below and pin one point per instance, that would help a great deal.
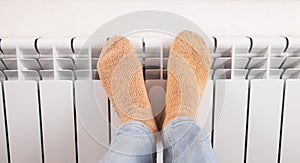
(121, 74)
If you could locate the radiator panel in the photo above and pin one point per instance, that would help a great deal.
(264, 120)
(290, 134)
(230, 129)
(3, 144)
(22, 108)
(92, 123)
(57, 108)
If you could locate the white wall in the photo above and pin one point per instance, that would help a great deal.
(215, 17)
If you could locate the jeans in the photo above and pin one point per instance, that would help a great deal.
(134, 143)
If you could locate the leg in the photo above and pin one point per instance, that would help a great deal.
(188, 70)
(121, 74)
(183, 143)
(133, 143)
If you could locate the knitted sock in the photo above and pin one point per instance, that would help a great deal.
(188, 70)
(121, 74)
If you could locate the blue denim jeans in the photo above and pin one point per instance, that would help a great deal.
(182, 141)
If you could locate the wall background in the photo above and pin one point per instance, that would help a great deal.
(82, 17)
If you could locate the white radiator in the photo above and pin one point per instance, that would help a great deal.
(53, 108)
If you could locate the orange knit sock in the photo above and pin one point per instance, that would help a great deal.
(121, 74)
(188, 70)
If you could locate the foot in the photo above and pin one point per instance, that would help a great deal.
(120, 72)
(188, 70)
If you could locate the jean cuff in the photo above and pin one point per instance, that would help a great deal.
(178, 128)
(136, 129)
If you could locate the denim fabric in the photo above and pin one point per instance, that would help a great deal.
(183, 143)
(134, 143)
